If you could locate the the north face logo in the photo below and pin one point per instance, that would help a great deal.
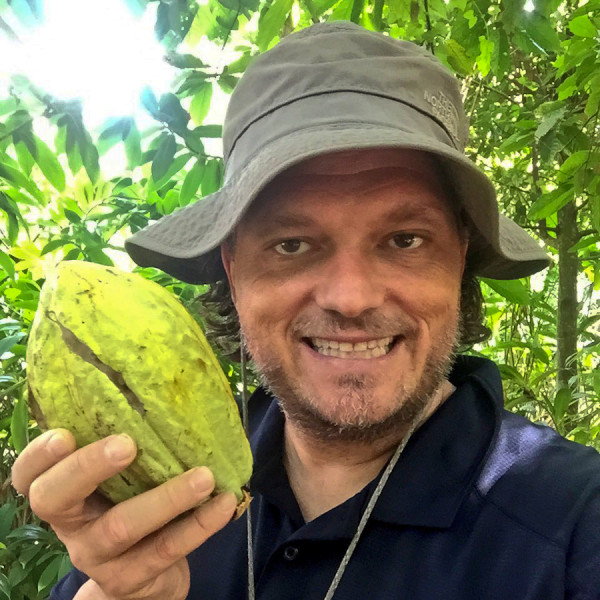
(444, 110)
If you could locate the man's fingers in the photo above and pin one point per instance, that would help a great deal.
(41, 454)
(156, 553)
(60, 490)
(128, 522)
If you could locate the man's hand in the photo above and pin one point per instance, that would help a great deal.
(136, 549)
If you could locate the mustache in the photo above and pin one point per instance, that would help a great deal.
(373, 323)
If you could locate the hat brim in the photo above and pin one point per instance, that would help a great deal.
(186, 243)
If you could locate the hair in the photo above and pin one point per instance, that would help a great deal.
(222, 326)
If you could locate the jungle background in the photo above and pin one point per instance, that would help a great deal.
(530, 72)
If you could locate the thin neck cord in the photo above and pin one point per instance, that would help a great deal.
(364, 518)
(368, 510)
(248, 512)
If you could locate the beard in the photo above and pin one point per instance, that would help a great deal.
(354, 420)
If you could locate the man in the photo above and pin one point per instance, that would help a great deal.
(349, 229)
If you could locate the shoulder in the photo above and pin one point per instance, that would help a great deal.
(540, 479)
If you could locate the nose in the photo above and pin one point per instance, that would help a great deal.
(350, 285)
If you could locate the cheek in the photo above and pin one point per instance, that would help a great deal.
(264, 310)
(433, 302)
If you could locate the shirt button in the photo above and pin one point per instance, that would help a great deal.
(290, 553)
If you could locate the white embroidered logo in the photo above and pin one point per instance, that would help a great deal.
(443, 108)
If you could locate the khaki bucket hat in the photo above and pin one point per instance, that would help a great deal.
(328, 88)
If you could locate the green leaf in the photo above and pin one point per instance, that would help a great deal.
(7, 516)
(133, 147)
(24, 157)
(184, 61)
(575, 162)
(8, 342)
(8, 105)
(114, 131)
(357, 8)
(19, 180)
(209, 131)
(458, 57)
(271, 22)
(561, 403)
(172, 113)
(72, 216)
(596, 382)
(54, 244)
(179, 163)
(583, 27)
(164, 157)
(169, 203)
(542, 32)
(211, 181)
(96, 254)
(512, 290)
(517, 141)
(149, 101)
(568, 87)
(191, 183)
(549, 121)
(550, 203)
(484, 60)
(239, 65)
(90, 158)
(50, 166)
(593, 104)
(49, 575)
(595, 202)
(18, 425)
(7, 264)
(200, 104)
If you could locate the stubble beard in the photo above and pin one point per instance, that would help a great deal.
(354, 421)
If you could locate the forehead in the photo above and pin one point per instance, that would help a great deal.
(356, 161)
(407, 176)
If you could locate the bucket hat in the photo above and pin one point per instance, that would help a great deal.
(334, 87)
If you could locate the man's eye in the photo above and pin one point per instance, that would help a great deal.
(288, 247)
(405, 240)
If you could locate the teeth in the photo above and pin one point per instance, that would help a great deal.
(370, 349)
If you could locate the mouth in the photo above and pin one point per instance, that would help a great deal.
(368, 349)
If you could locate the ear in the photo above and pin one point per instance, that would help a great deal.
(228, 264)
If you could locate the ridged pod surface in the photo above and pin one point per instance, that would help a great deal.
(112, 352)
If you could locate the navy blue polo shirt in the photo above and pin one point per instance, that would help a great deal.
(483, 505)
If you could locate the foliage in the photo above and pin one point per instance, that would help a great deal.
(532, 85)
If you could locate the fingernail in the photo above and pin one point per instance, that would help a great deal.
(57, 444)
(226, 502)
(202, 479)
(119, 447)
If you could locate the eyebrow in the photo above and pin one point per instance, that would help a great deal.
(432, 216)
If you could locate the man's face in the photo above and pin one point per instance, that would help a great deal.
(346, 276)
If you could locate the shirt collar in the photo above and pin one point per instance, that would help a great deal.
(439, 464)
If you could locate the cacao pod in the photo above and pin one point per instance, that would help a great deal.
(112, 352)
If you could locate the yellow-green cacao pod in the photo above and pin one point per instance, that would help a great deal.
(111, 352)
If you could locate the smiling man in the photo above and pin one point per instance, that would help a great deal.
(344, 247)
